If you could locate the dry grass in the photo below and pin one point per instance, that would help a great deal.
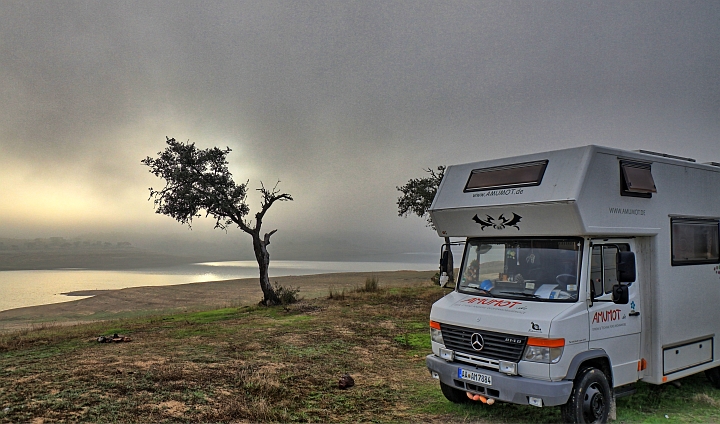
(237, 364)
(706, 399)
(253, 364)
(372, 284)
(335, 293)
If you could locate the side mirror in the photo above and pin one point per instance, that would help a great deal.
(625, 267)
(444, 260)
(620, 294)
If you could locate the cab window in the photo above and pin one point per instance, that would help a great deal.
(603, 267)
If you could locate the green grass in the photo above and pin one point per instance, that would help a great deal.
(694, 401)
(278, 364)
(206, 317)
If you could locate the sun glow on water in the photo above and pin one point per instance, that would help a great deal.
(40, 287)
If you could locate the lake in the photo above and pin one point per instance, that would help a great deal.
(40, 287)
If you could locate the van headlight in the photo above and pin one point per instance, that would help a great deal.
(547, 351)
(436, 333)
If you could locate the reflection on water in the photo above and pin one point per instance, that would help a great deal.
(28, 288)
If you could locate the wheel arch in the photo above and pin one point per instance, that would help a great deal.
(596, 358)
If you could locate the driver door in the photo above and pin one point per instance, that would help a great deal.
(614, 328)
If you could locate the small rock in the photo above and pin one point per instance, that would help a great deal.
(346, 382)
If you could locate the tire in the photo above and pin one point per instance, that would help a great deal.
(590, 398)
(454, 395)
(713, 374)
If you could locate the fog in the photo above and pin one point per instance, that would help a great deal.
(340, 101)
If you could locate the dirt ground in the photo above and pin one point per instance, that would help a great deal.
(109, 304)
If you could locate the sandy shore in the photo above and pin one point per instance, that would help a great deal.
(112, 304)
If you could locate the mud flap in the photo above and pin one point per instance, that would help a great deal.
(612, 413)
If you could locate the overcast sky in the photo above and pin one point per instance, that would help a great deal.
(341, 101)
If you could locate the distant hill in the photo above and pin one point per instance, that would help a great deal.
(57, 252)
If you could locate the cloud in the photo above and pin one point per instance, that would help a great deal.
(342, 101)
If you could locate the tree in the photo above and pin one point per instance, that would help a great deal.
(199, 180)
(417, 197)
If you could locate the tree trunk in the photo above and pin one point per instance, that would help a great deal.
(263, 259)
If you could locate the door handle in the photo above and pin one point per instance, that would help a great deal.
(634, 314)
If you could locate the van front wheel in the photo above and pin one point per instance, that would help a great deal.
(453, 395)
(590, 399)
(713, 374)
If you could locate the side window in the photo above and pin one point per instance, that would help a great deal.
(603, 267)
(609, 267)
(596, 271)
(695, 241)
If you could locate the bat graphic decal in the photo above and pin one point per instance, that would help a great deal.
(513, 222)
(500, 223)
(487, 223)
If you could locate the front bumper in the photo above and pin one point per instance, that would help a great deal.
(507, 388)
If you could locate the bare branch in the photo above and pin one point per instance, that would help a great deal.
(268, 198)
(266, 239)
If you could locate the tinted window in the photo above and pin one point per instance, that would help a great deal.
(694, 242)
(517, 175)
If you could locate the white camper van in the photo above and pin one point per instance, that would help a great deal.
(584, 271)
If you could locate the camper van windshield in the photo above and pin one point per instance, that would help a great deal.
(533, 269)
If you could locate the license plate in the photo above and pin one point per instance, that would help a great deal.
(475, 377)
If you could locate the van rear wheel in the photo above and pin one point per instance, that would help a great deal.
(454, 395)
(713, 374)
(590, 398)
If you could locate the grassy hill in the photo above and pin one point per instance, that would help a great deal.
(271, 364)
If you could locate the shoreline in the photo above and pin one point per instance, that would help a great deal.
(81, 293)
(104, 305)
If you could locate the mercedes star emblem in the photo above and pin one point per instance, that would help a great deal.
(477, 342)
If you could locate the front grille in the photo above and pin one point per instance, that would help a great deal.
(498, 346)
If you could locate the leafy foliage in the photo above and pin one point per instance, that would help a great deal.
(199, 180)
(418, 195)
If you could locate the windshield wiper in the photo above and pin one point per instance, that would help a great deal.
(522, 294)
(480, 290)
